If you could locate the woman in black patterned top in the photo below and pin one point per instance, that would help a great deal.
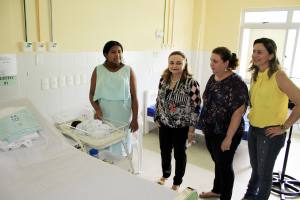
(177, 111)
(225, 100)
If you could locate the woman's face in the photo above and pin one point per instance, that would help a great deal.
(217, 65)
(261, 57)
(114, 55)
(176, 64)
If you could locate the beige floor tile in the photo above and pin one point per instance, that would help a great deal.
(199, 171)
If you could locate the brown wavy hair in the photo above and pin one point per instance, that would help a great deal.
(185, 74)
(274, 64)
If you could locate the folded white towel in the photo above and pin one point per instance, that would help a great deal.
(25, 141)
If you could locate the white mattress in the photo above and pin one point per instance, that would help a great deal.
(52, 169)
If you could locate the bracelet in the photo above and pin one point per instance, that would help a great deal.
(283, 127)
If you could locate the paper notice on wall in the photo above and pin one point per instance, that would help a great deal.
(8, 69)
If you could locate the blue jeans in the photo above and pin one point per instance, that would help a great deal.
(263, 152)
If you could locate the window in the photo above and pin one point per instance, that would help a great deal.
(266, 17)
(283, 27)
(296, 16)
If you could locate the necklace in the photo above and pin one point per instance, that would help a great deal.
(173, 77)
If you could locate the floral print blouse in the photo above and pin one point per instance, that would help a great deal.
(220, 100)
(178, 107)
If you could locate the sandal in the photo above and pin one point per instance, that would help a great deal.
(208, 195)
(175, 187)
(162, 181)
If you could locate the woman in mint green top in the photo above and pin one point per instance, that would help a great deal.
(113, 91)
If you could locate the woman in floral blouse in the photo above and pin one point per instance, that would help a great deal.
(177, 110)
(225, 100)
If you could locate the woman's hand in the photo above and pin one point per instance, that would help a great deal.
(191, 137)
(134, 126)
(157, 124)
(225, 146)
(98, 115)
(273, 131)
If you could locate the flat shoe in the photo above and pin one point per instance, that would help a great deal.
(208, 194)
(175, 187)
(162, 181)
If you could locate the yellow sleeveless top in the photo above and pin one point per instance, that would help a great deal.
(269, 105)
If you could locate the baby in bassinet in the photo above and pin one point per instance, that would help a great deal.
(93, 127)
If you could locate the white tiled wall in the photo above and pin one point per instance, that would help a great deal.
(60, 81)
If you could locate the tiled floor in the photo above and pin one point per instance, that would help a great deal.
(199, 171)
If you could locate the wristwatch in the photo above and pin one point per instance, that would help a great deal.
(283, 127)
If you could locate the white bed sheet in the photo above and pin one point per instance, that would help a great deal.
(54, 170)
(75, 175)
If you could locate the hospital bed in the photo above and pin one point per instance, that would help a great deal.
(51, 169)
(149, 111)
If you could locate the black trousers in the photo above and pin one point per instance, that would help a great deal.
(170, 138)
(224, 174)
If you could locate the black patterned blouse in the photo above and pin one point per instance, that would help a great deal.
(179, 107)
(220, 100)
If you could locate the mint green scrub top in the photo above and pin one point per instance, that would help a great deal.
(113, 95)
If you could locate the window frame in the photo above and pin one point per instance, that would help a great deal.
(279, 26)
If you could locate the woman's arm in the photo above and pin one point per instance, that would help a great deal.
(134, 102)
(195, 109)
(233, 126)
(293, 92)
(98, 112)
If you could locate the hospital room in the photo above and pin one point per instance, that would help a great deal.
(149, 100)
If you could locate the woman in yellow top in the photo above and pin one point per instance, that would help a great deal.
(270, 91)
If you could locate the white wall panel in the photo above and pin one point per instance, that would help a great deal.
(34, 67)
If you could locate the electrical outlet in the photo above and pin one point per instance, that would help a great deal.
(39, 59)
(62, 81)
(27, 47)
(53, 83)
(77, 79)
(70, 80)
(45, 84)
(52, 46)
(159, 34)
